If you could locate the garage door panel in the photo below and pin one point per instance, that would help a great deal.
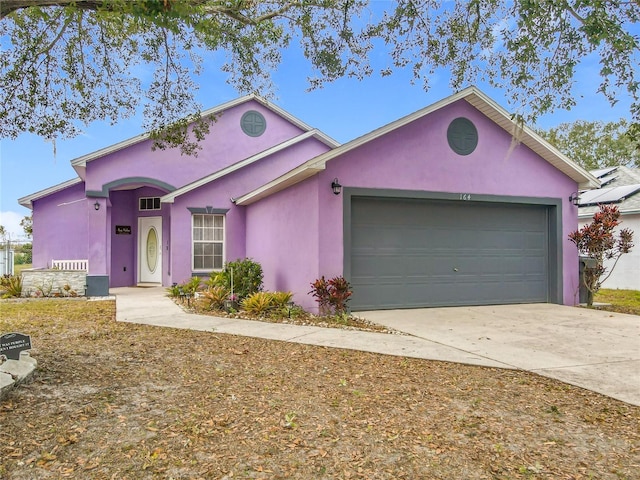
(411, 253)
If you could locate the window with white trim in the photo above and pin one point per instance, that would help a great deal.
(149, 203)
(208, 241)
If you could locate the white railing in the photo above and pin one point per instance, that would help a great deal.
(79, 265)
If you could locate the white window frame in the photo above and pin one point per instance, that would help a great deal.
(194, 241)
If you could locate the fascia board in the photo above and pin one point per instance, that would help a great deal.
(170, 197)
(27, 201)
(288, 179)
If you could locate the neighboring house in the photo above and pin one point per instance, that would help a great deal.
(440, 207)
(621, 187)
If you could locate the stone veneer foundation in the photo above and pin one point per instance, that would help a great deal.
(52, 283)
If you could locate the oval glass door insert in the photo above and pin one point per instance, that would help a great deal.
(152, 249)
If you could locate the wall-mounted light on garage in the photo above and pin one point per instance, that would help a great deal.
(575, 198)
(96, 205)
(336, 187)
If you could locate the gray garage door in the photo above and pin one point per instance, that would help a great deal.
(417, 253)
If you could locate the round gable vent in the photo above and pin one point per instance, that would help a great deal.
(462, 136)
(253, 123)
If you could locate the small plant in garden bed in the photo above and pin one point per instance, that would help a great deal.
(241, 278)
(10, 286)
(332, 295)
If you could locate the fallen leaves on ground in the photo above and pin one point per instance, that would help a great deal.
(116, 400)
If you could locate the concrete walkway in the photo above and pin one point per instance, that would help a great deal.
(599, 351)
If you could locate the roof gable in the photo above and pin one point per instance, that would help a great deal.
(80, 163)
(170, 197)
(27, 201)
(474, 97)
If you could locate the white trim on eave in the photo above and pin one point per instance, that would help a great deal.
(81, 162)
(475, 98)
(290, 178)
(170, 197)
(27, 201)
(531, 139)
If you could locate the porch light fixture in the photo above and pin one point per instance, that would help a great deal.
(96, 205)
(575, 198)
(336, 187)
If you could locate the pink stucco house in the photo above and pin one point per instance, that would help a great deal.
(441, 207)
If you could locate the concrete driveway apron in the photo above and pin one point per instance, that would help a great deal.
(596, 350)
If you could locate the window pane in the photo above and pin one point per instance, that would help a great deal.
(208, 237)
(156, 203)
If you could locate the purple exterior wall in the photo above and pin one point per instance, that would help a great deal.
(415, 157)
(60, 226)
(218, 195)
(282, 234)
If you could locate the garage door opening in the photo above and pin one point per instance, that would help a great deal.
(409, 253)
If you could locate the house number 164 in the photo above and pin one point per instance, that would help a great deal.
(465, 196)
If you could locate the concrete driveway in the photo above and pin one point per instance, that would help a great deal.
(593, 349)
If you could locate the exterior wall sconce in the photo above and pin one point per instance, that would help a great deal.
(336, 187)
(575, 198)
(96, 205)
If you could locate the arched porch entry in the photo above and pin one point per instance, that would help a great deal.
(135, 233)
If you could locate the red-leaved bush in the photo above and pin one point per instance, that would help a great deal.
(332, 295)
(598, 241)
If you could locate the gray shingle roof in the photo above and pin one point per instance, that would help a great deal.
(622, 177)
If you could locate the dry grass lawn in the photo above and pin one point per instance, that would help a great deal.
(119, 401)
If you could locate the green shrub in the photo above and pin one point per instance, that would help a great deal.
(174, 290)
(216, 296)
(11, 286)
(281, 299)
(258, 303)
(263, 303)
(247, 278)
(189, 287)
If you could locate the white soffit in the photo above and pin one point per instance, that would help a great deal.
(28, 200)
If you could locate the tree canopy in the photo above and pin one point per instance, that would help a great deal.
(67, 63)
(595, 145)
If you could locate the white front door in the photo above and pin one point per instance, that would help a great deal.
(150, 250)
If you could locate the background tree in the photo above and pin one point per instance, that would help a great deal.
(70, 62)
(27, 225)
(3, 233)
(598, 241)
(595, 144)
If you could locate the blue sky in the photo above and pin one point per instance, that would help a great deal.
(343, 110)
